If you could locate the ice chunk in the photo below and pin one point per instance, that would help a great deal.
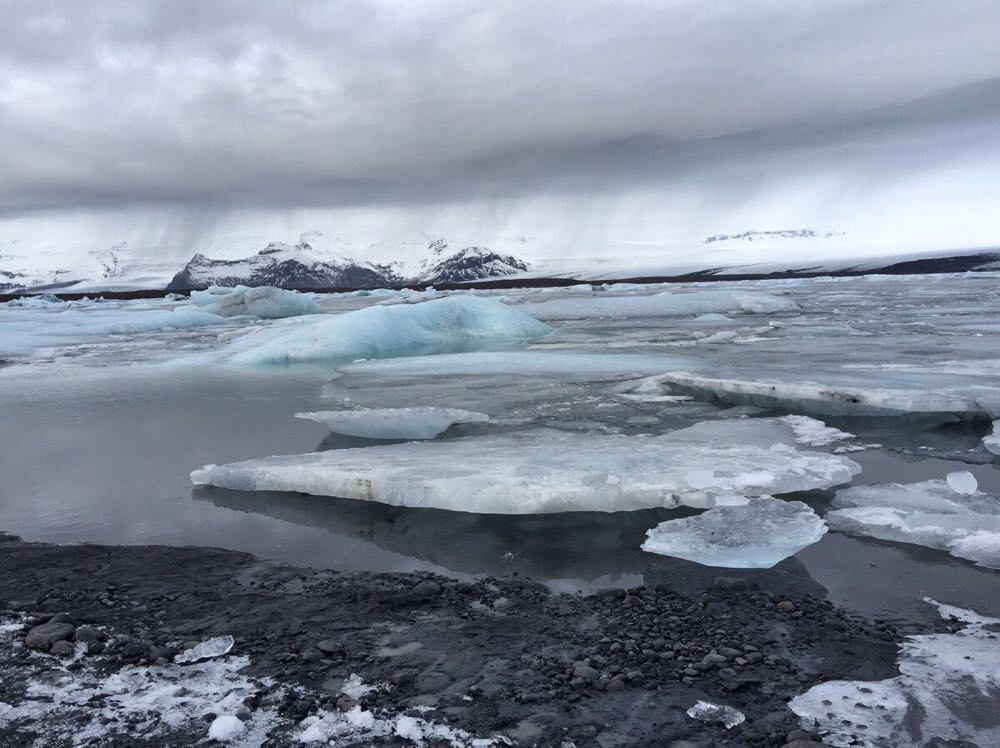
(963, 482)
(266, 302)
(543, 471)
(992, 440)
(814, 433)
(355, 687)
(453, 323)
(756, 535)
(706, 711)
(226, 728)
(930, 513)
(666, 304)
(206, 650)
(393, 423)
(835, 400)
(946, 693)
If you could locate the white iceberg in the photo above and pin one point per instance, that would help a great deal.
(393, 423)
(992, 440)
(755, 535)
(545, 471)
(827, 399)
(946, 693)
(206, 650)
(453, 323)
(666, 304)
(706, 711)
(266, 302)
(931, 514)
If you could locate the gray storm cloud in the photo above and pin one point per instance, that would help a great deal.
(293, 105)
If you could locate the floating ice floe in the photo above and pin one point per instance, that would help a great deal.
(947, 693)
(666, 304)
(992, 440)
(545, 471)
(755, 535)
(206, 650)
(444, 325)
(942, 514)
(838, 400)
(266, 302)
(814, 433)
(24, 331)
(393, 423)
(706, 711)
(490, 363)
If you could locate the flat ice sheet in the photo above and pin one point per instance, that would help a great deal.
(931, 513)
(667, 304)
(755, 535)
(947, 692)
(393, 423)
(543, 471)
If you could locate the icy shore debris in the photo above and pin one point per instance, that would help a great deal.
(946, 692)
(393, 423)
(266, 302)
(950, 515)
(444, 325)
(706, 711)
(755, 535)
(215, 647)
(665, 304)
(543, 471)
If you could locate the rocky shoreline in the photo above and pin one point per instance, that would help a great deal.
(431, 660)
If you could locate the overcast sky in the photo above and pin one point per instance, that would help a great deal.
(121, 113)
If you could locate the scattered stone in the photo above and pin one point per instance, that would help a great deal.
(44, 636)
(786, 606)
(89, 634)
(62, 648)
(427, 588)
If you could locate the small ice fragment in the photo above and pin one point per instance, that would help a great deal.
(963, 482)
(214, 647)
(756, 535)
(225, 728)
(355, 687)
(709, 712)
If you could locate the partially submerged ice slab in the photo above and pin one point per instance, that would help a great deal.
(947, 692)
(932, 513)
(266, 302)
(992, 440)
(393, 423)
(445, 325)
(835, 400)
(756, 535)
(666, 304)
(545, 471)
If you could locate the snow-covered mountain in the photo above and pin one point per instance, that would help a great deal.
(284, 266)
(299, 266)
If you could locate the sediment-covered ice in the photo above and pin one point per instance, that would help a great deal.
(755, 535)
(823, 399)
(545, 471)
(393, 423)
(992, 440)
(947, 693)
(266, 302)
(932, 514)
(666, 304)
(449, 324)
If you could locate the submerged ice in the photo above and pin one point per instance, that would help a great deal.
(393, 423)
(950, 515)
(543, 471)
(947, 693)
(754, 535)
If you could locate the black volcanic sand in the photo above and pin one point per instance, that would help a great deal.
(617, 668)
